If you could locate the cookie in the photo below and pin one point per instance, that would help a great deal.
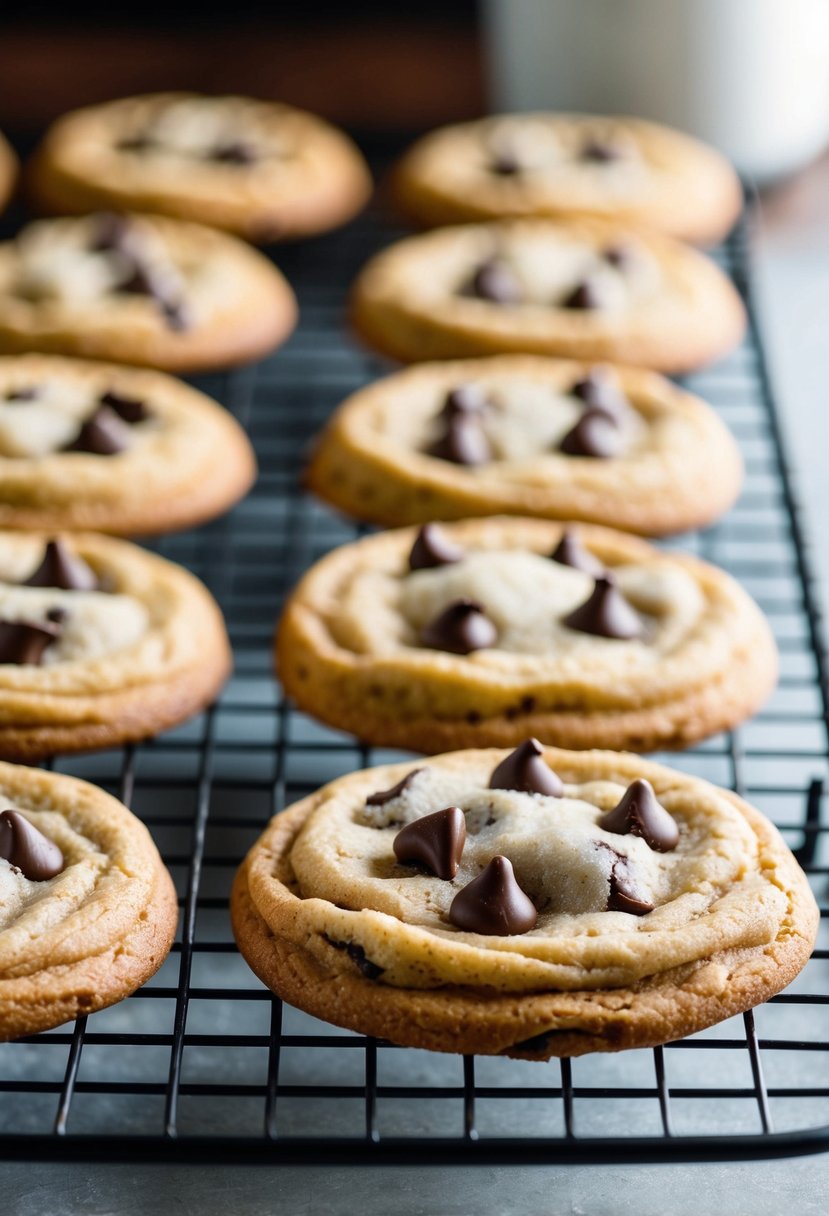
(483, 632)
(563, 165)
(88, 910)
(115, 449)
(140, 289)
(536, 904)
(8, 171)
(101, 643)
(262, 170)
(584, 289)
(526, 435)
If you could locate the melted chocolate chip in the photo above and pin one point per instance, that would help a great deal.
(595, 434)
(625, 894)
(104, 434)
(585, 296)
(364, 965)
(128, 409)
(493, 903)
(599, 392)
(64, 569)
(358, 956)
(234, 152)
(435, 842)
(463, 442)
(23, 846)
(496, 282)
(525, 770)
(433, 548)
(460, 629)
(606, 613)
(571, 552)
(384, 796)
(29, 393)
(465, 399)
(24, 642)
(600, 151)
(638, 813)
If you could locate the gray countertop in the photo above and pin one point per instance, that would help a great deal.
(793, 278)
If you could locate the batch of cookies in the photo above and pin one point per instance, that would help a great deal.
(528, 885)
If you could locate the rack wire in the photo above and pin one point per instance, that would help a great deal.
(204, 1064)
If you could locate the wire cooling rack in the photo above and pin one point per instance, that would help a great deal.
(204, 1064)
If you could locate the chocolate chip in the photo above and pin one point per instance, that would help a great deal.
(117, 234)
(134, 143)
(64, 569)
(621, 257)
(493, 903)
(435, 842)
(176, 315)
(595, 434)
(111, 232)
(24, 642)
(465, 399)
(601, 151)
(234, 152)
(625, 894)
(638, 813)
(463, 442)
(128, 409)
(25, 847)
(606, 613)
(139, 281)
(504, 162)
(460, 629)
(496, 282)
(571, 552)
(104, 434)
(384, 796)
(358, 955)
(585, 296)
(525, 770)
(599, 392)
(433, 548)
(28, 393)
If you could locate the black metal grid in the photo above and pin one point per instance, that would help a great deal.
(204, 1064)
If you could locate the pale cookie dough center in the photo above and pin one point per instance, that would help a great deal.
(523, 420)
(526, 596)
(711, 893)
(95, 623)
(549, 266)
(50, 420)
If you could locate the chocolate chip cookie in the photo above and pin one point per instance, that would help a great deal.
(116, 449)
(264, 170)
(140, 289)
(257, 168)
(101, 643)
(582, 288)
(526, 435)
(483, 632)
(534, 904)
(87, 910)
(562, 165)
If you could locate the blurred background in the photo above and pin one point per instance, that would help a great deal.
(751, 76)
